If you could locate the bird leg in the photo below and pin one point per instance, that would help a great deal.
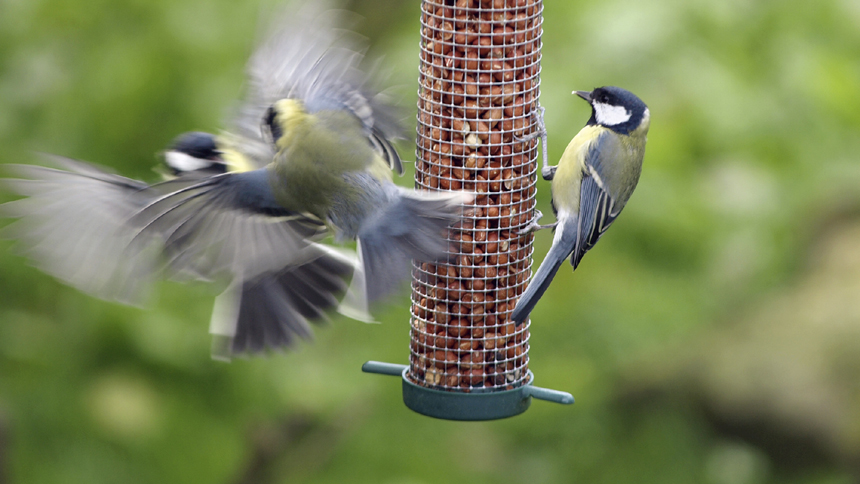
(546, 171)
(533, 226)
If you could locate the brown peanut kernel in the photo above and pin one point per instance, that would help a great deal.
(478, 87)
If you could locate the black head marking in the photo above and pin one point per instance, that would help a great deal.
(197, 144)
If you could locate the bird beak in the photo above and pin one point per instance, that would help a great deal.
(583, 94)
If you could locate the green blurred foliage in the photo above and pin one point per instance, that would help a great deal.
(752, 160)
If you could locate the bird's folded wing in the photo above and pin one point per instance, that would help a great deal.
(597, 211)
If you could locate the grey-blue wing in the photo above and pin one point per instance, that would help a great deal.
(597, 211)
(606, 185)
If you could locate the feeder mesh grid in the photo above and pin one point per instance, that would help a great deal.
(478, 89)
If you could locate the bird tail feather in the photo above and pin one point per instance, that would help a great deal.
(562, 245)
(412, 225)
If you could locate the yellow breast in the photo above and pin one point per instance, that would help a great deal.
(568, 176)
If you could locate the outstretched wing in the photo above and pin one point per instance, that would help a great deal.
(311, 55)
(72, 225)
(228, 223)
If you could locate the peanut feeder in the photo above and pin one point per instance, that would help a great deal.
(479, 85)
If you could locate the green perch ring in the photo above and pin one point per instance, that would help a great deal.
(472, 406)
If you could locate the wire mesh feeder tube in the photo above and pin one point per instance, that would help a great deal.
(479, 85)
(479, 81)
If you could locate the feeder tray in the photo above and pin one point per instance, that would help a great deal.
(476, 405)
(479, 85)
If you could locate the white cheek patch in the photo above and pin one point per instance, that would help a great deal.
(609, 115)
(182, 162)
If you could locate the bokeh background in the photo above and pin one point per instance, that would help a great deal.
(713, 336)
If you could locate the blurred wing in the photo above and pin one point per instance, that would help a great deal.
(310, 56)
(72, 225)
(244, 152)
(228, 223)
(275, 309)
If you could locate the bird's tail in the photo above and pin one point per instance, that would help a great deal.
(562, 245)
(411, 225)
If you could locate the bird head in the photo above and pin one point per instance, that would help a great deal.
(617, 109)
(281, 118)
(194, 151)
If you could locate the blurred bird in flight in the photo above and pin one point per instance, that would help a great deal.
(252, 205)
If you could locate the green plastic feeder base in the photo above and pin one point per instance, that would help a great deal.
(475, 405)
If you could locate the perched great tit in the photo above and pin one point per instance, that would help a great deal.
(591, 183)
(220, 213)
